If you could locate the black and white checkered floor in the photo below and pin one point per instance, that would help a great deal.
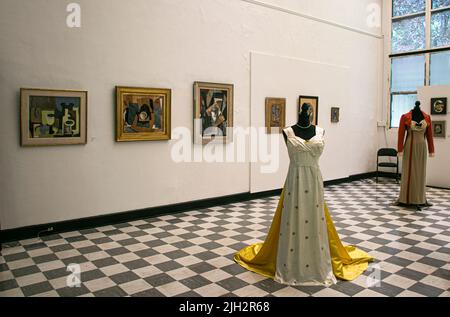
(191, 254)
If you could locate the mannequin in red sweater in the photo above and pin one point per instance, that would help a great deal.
(416, 124)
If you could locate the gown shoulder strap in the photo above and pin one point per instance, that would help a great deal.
(320, 131)
(287, 131)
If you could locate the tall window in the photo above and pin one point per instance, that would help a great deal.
(420, 51)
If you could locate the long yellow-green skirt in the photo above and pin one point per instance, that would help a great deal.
(348, 262)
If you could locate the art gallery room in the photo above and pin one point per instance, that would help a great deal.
(225, 148)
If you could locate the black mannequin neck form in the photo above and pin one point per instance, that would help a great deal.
(417, 114)
(304, 129)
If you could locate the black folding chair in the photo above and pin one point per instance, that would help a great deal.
(390, 152)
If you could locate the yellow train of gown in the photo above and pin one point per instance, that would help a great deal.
(348, 262)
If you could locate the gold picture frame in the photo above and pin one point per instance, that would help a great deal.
(143, 114)
(314, 102)
(213, 112)
(53, 117)
(275, 114)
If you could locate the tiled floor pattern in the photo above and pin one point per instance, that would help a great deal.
(191, 254)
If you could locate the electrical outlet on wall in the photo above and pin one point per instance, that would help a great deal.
(381, 124)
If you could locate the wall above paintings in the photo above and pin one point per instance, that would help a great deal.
(149, 44)
(331, 12)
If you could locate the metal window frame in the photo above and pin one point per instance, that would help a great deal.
(427, 51)
(390, 103)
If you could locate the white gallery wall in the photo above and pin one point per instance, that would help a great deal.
(171, 44)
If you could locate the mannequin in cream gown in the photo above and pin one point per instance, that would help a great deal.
(302, 246)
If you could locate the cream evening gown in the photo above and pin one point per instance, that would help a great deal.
(302, 246)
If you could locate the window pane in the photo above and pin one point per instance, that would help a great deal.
(408, 34)
(440, 68)
(440, 3)
(401, 104)
(440, 28)
(408, 73)
(403, 7)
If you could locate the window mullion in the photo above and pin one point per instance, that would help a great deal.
(405, 92)
(428, 24)
(440, 9)
(427, 40)
(408, 16)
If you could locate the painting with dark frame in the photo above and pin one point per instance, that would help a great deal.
(334, 114)
(439, 129)
(439, 106)
(313, 101)
(53, 117)
(213, 112)
(275, 114)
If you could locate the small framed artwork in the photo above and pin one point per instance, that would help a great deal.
(213, 112)
(334, 114)
(142, 114)
(439, 129)
(53, 117)
(314, 103)
(439, 105)
(275, 114)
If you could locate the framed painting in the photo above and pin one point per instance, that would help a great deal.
(53, 117)
(438, 106)
(334, 114)
(439, 129)
(213, 112)
(314, 103)
(275, 114)
(142, 114)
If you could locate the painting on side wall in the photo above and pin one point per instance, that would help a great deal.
(439, 129)
(213, 112)
(53, 117)
(142, 114)
(275, 114)
(314, 103)
(438, 106)
(334, 114)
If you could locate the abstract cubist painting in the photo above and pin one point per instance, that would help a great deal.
(142, 114)
(213, 112)
(53, 117)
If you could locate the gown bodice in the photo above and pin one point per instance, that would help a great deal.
(304, 152)
(416, 132)
(415, 127)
